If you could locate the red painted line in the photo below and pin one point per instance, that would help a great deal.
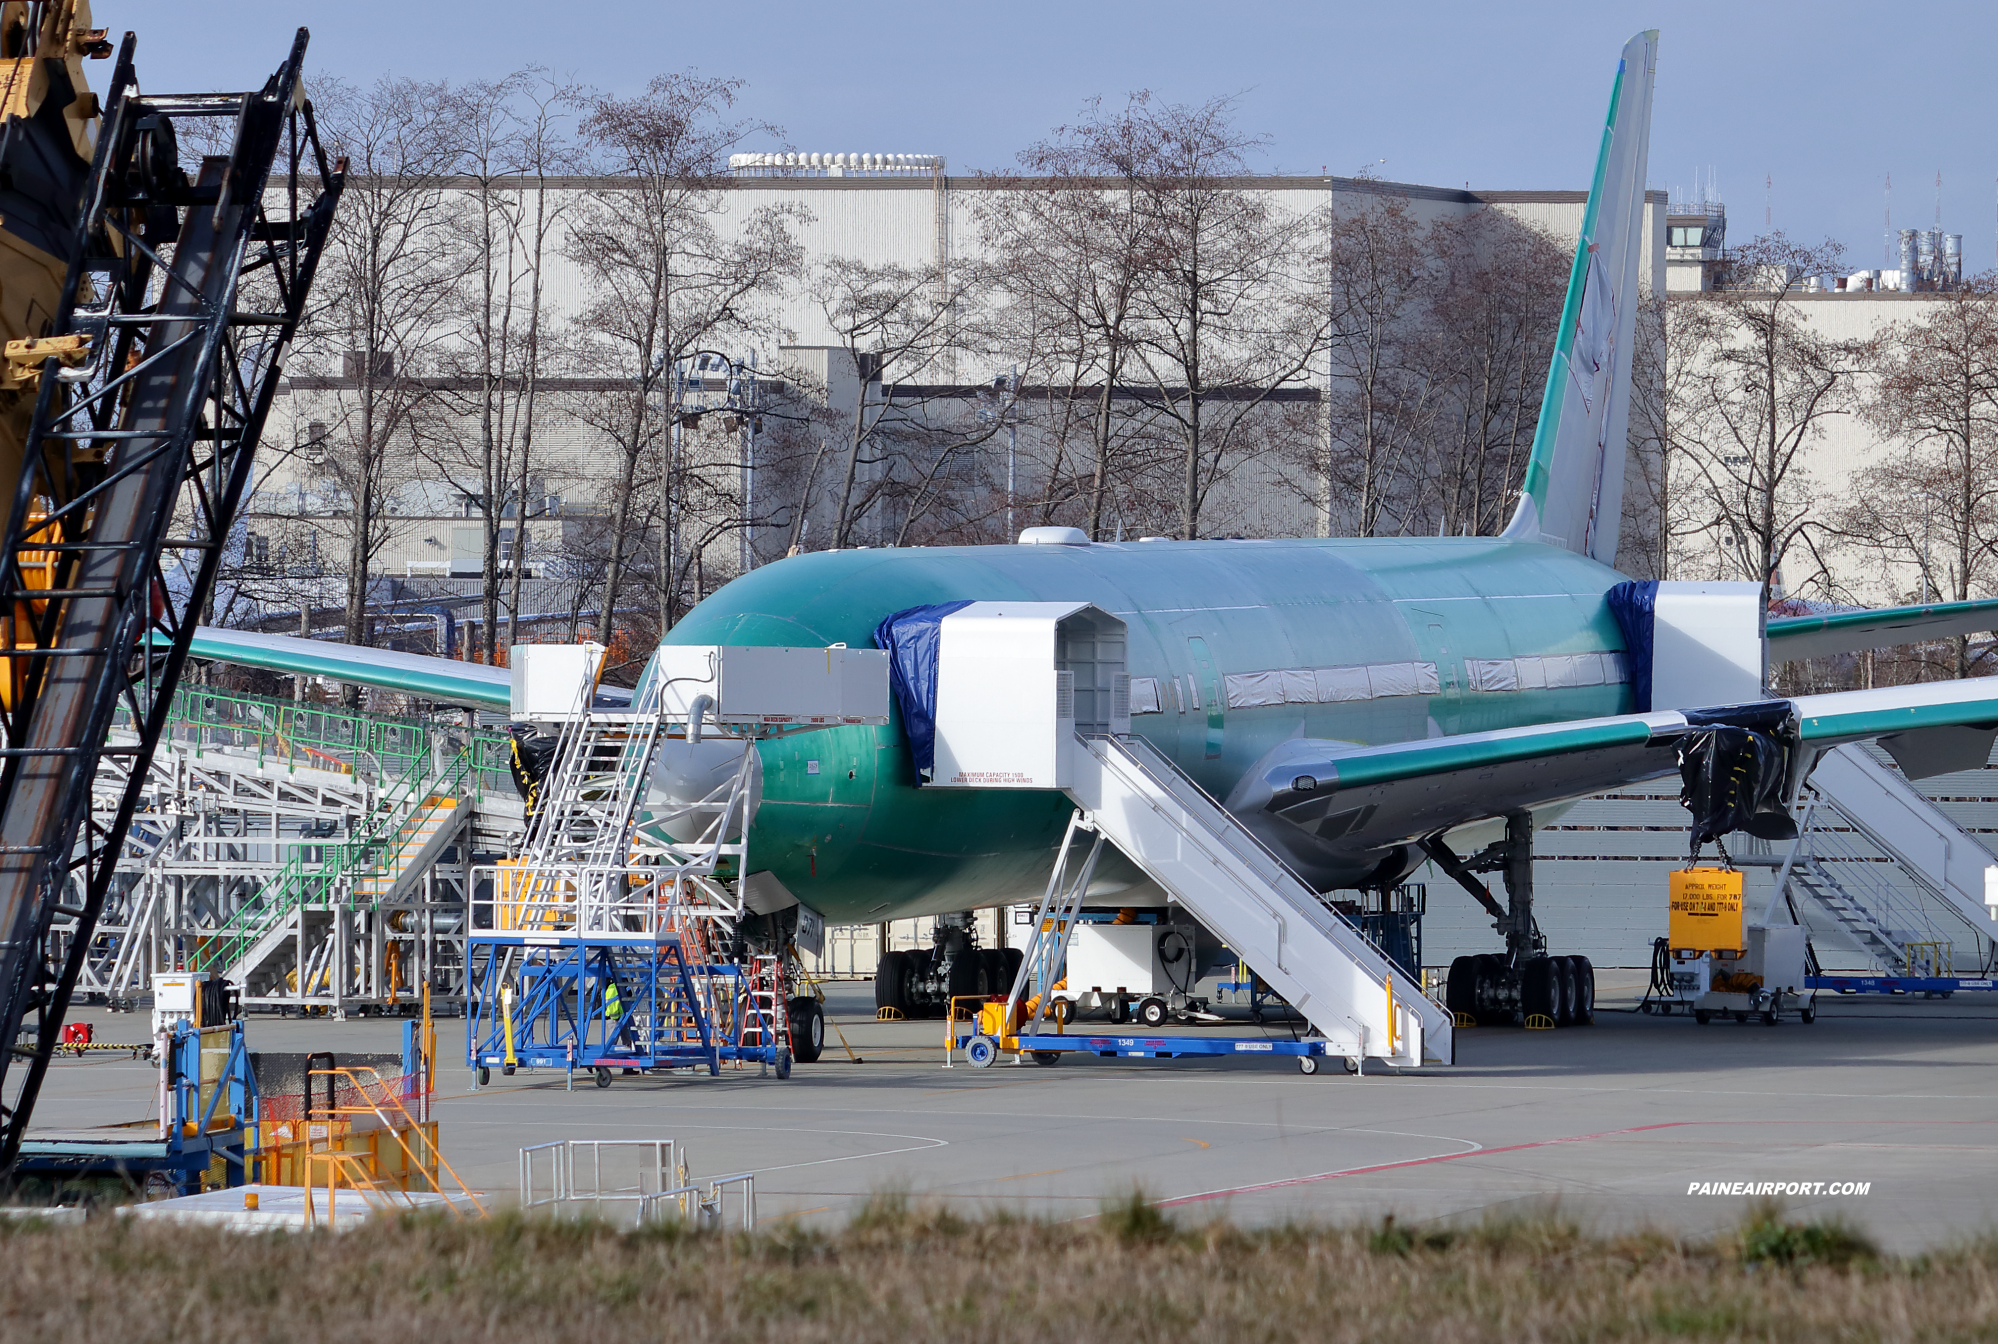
(1519, 1148)
(1420, 1162)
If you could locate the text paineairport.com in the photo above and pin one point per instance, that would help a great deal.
(1765, 1189)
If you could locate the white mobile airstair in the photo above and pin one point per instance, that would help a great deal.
(1365, 1006)
(1945, 861)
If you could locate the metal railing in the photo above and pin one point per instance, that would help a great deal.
(368, 855)
(325, 737)
(571, 1175)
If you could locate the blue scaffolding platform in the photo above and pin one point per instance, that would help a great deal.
(604, 1004)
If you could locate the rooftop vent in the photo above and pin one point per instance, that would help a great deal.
(834, 165)
(1054, 536)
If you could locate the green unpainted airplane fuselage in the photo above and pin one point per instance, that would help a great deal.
(854, 837)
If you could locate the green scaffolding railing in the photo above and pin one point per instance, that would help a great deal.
(416, 761)
(301, 734)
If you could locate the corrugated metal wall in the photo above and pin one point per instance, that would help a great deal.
(1599, 878)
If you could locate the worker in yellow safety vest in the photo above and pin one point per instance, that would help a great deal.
(619, 1032)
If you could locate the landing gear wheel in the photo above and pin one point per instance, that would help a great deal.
(783, 1065)
(888, 978)
(1012, 956)
(1702, 1016)
(1460, 992)
(1307, 1064)
(808, 1028)
(1152, 1011)
(996, 980)
(979, 1052)
(1564, 991)
(967, 977)
(1538, 994)
(1489, 979)
(603, 1076)
(1120, 1011)
(1585, 991)
(1047, 1059)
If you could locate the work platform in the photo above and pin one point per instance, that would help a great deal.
(317, 858)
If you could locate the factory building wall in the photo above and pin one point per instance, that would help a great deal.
(910, 221)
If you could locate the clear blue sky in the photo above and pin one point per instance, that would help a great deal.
(1826, 99)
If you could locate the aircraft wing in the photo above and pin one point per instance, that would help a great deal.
(1329, 806)
(1850, 631)
(473, 685)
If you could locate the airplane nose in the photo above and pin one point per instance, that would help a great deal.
(690, 784)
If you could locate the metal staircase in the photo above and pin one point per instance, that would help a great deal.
(1890, 812)
(1826, 870)
(1131, 794)
(1855, 803)
(268, 829)
(160, 368)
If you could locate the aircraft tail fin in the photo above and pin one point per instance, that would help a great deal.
(1573, 494)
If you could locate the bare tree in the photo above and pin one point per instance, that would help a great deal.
(893, 323)
(1486, 326)
(1764, 385)
(390, 270)
(1933, 505)
(1231, 301)
(1071, 253)
(509, 137)
(542, 147)
(663, 283)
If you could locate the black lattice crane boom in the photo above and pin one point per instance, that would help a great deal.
(151, 385)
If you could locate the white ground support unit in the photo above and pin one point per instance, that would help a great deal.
(1036, 694)
(1776, 958)
(1707, 647)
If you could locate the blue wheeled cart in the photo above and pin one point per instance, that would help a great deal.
(980, 1050)
(610, 1005)
(1928, 986)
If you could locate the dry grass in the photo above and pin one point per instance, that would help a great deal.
(910, 1276)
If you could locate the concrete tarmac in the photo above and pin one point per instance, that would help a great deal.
(1618, 1124)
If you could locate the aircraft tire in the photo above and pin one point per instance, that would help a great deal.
(967, 976)
(1585, 986)
(996, 981)
(1491, 969)
(808, 1029)
(1538, 995)
(1460, 993)
(1014, 958)
(889, 974)
(1564, 991)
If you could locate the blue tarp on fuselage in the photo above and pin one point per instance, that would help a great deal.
(1634, 603)
(911, 638)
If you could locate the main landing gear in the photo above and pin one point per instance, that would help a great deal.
(1522, 986)
(921, 983)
